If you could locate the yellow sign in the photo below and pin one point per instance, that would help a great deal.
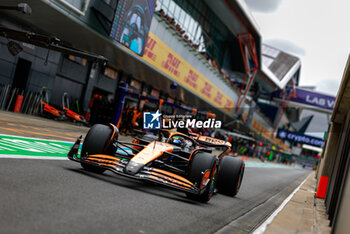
(259, 127)
(158, 54)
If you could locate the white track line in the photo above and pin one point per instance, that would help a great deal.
(261, 229)
(32, 157)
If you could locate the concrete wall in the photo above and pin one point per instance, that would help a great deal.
(40, 74)
(7, 61)
(106, 83)
(58, 73)
(330, 150)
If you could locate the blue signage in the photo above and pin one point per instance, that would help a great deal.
(299, 138)
(311, 98)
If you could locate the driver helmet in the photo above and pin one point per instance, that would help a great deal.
(177, 141)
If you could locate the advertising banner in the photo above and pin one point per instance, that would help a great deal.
(311, 98)
(257, 125)
(159, 55)
(300, 138)
(263, 128)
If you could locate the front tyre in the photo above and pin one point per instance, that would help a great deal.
(201, 164)
(230, 175)
(97, 141)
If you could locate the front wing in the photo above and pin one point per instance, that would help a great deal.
(155, 175)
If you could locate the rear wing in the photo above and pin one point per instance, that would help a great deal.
(210, 141)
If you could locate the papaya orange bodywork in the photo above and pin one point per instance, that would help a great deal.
(172, 174)
(166, 182)
(103, 156)
(152, 151)
(171, 180)
(211, 140)
(104, 160)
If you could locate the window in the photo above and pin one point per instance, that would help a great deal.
(202, 27)
(78, 6)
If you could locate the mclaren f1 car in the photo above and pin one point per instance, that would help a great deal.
(197, 165)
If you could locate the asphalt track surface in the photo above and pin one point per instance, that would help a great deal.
(57, 196)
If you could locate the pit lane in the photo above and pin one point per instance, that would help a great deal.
(57, 196)
(50, 196)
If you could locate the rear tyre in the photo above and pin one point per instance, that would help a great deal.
(202, 163)
(230, 175)
(96, 142)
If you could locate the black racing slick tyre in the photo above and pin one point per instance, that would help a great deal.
(230, 175)
(201, 164)
(96, 142)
